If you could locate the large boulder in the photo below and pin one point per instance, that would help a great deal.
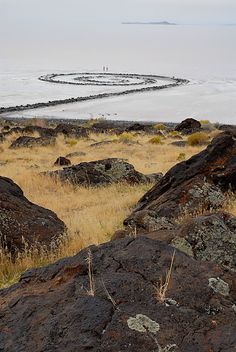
(104, 127)
(43, 131)
(188, 126)
(62, 161)
(109, 298)
(29, 142)
(23, 223)
(13, 130)
(102, 172)
(209, 237)
(138, 127)
(195, 185)
(70, 130)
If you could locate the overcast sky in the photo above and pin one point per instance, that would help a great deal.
(70, 12)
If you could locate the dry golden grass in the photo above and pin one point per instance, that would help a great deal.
(162, 287)
(91, 215)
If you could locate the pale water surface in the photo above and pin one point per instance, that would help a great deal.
(206, 55)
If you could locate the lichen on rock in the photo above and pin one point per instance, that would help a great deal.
(142, 323)
(219, 286)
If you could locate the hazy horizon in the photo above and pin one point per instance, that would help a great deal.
(71, 12)
(40, 37)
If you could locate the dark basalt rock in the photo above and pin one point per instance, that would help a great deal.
(158, 228)
(43, 132)
(227, 128)
(101, 172)
(16, 129)
(188, 126)
(62, 161)
(195, 185)
(136, 127)
(179, 144)
(22, 222)
(53, 309)
(29, 142)
(155, 177)
(75, 154)
(70, 130)
(210, 237)
(2, 138)
(6, 128)
(100, 144)
(106, 127)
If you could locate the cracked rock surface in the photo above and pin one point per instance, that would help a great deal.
(29, 142)
(51, 309)
(102, 172)
(192, 186)
(22, 222)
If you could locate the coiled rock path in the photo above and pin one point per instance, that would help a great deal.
(123, 84)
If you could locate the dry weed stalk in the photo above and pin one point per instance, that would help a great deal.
(162, 287)
(89, 260)
(109, 296)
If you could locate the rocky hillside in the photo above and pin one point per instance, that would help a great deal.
(165, 282)
(119, 297)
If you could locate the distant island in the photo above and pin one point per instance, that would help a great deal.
(152, 23)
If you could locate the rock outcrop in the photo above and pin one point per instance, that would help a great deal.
(29, 142)
(62, 161)
(210, 237)
(101, 172)
(43, 131)
(106, 127)
(70, 130)
(2, 138)
(193, 186)
(23, 223)
(138, 127)
(108, 299)
(75, 154)
(188, 126)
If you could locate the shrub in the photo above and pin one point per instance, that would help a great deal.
(198, 138)
(160, 127)
(93, 121)
(126, 137)
(204, 122)
(155, 140)
(71, 142)
(181, 157)
(174, 133)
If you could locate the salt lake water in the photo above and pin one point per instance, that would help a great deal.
(205, 55)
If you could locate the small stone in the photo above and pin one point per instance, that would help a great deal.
(170, 302)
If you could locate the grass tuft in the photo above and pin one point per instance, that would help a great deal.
(198, 139)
